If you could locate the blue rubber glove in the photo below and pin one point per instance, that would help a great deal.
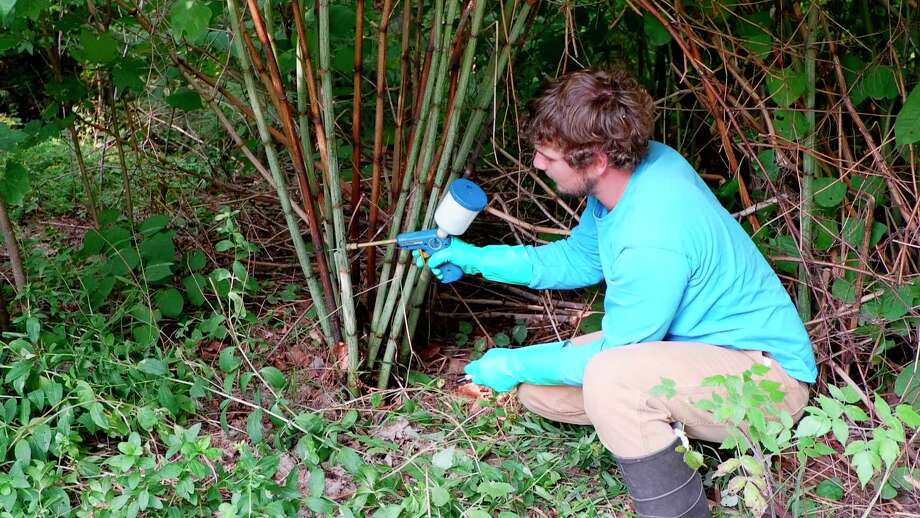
(554, 363)
(500, 263)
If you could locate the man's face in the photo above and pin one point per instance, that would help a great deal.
(569, 180)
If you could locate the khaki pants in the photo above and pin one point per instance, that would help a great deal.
(630, 421)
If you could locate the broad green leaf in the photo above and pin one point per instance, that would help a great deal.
(153, 224)
(129, 74)
(146, 418)
(273, 377)
(439, 496)
(6, 6)
(494, 490)
(170, 302)
(123, 261)
(41, 437)
(227, 361)
(862, 461)
(194, 285)
(350, 460)
(826, 232)
(185, 99)
(444, 459)
(190, 18)
(830, 489)
(768, 160)
(812, 426)
(786, 85)
(97, 415)
(15, 183)
(591, 323)
(195, 260)
(146, 335)
(158, 249)
(753, 32)
(907, 415)
(254, 426)
(791, 125)
(853, 68)
(855, 413)
(10, 137)
(152, 366)
(888, 450)
(880, 83)
(841, 431)
(907, 123)
(97, 48)
(829, 192)
(907, 384)
(157, 272)
(656, 33)
(23, 452)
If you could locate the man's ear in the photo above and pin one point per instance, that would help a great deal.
(598, 164)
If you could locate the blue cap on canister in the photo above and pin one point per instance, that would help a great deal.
(468, 195)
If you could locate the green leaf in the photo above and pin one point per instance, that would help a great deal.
(158, 249)
(97, 48)
(444, 459)
(152, 366)
(862, 461)
(752, 31)
(826, 232)
(97, 415)
(591, 323)
(129, 74)
(880, 83)
(350, 460)
(190, 18)
(146, 335)
(254, 426)
(273, 377)
(841, 430)
(844, 291)
(787, 85)
(15, 183)
(768, 160)
(146, 418)
(656, 33)
(907, 384)
(907, 123)
(812, 426)
(194, 285)
(23, 453)
(853, 68)
(41, 437)
(10, 137)
(791, 125)
(158, 272)
(123, 261)
(153, 224)
(439, 496)
(888, 450)
(5, 7)
(195, 260)
(227, 360)
(185, 99)
(170, 302)
(907, 415)
(829, 192)
(830, 489)
(494, 490)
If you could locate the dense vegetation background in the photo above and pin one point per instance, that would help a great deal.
(187, 330)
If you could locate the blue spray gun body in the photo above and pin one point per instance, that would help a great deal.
(429, 242)
(456, 211)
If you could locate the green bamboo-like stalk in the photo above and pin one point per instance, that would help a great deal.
(379, 320)
(280, 183)
(486, 92)
(809, 165)
(307, 145)
(371, 265)
(453, 122)
(335, 192)
(430, 145)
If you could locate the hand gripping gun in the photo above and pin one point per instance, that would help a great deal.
(459, 207)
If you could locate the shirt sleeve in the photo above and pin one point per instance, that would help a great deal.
(643, 297)
(570, 263)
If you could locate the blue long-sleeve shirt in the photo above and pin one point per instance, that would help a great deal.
(678, 268)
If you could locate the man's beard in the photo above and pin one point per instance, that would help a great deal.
(585, 187)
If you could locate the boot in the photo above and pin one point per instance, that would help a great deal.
(662, 485)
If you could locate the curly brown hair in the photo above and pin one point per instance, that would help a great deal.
(592, 111)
